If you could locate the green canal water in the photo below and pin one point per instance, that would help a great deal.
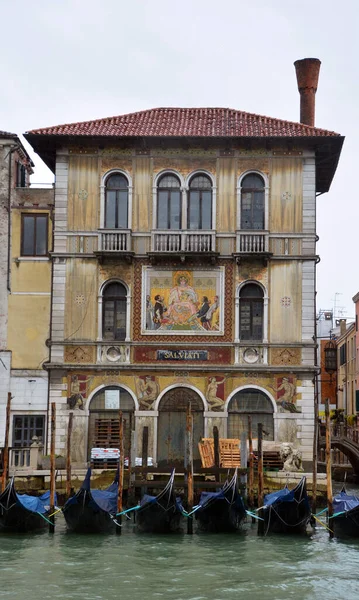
(178, 567)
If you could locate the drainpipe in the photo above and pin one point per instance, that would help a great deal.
(48, 341)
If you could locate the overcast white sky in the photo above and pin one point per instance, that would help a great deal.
(74, 60)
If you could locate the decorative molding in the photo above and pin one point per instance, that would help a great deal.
(116, 152)
(114, 354)
(286, 301)
(79, 354)
(286, 356)
(82, 150)
(83, 194)
(80, 299)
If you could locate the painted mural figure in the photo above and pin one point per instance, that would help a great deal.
(75, 400)
(147, 391)
(212, 316)
(158, 312)
(182, 302)
(149, 313)
(202, 313)
(211, 395)
(286, 400)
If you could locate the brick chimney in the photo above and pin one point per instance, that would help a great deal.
(307, 71)
(343, 326)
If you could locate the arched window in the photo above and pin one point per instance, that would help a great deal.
(116, 202)
(251, 312)
(252, 202)
(114, 312)
(169, 202)
(199, 214)
(253, 403)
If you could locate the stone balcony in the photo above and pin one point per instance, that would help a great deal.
(183, 244)
(252, 244)
(115, 243)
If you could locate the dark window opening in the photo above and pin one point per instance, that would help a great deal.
(34, 233)
(343, 354)
(252, 202)
(20, 175)
(251, 313)
(116, 202)
(25, 427)
(114, 312)
(169, 213)
(199, 215)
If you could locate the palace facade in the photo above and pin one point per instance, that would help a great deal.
(183, 270)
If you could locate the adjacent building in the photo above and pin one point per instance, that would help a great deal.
(25, 290)
(183, 270)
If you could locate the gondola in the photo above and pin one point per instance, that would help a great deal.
(345, 519)
(161, 513)
(92, 511)
(287, 511)
(221, 511)
(22, 513)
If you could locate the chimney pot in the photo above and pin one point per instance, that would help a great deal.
(307, 71)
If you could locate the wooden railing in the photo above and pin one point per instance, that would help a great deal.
(342, 430)
(114, 240)
(183, 241)
(338, 457)
(252, 242)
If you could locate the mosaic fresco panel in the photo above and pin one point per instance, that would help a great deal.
(182, 301)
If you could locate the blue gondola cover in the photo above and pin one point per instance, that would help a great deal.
(342, 502)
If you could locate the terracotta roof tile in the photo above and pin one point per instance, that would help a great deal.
(187, 122)
(7, 134)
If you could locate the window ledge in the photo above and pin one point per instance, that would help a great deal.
(32, 258)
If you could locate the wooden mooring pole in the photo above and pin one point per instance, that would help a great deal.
(315, 453)
(121, 466)
(68, 455)
(189, 440)
(52, 468)
(250, 494)
(260, 477)
(129, 467)
(5, 456)
(328, 461)
(144, 447)
(216, 450)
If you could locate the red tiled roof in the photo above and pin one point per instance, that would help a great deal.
(7, 134)
(188, 122)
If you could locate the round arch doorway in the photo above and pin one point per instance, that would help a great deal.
(250, 403)
(103, 429)
(171, 431)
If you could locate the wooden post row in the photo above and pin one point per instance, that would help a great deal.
(189, 440)
(121, 467)
(68, 455)
(329, 466)
(251, 467)
(260, 476)
(52, 466)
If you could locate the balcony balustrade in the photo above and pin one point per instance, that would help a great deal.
(184, 241)
(252, 242)
(115, 240)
